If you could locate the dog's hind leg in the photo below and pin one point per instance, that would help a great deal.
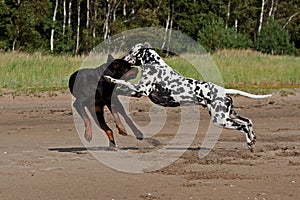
(162, 97)
(119, 125)
(223, 116)
(245, 121)
(229, 123)
(98, 113)
(88, 135)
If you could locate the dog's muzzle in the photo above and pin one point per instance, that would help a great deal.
(131, 74)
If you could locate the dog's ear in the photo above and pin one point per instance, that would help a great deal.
(110, 58)
(147, 45)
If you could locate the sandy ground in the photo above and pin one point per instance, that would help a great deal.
(42, 156)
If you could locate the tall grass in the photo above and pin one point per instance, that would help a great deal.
(41, 72)
(249, 68)
(183, 67)
(238, 69)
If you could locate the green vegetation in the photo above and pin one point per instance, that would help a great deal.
(36, 72)
(75, 27)
(275, 40)
(214, 36)
(65, 28)
(247, 69)
(183, 67)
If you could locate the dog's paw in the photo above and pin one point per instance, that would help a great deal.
(108, 79)
(136, 94)
(139, 136)
(88, 135)
(250, 146)
(122, 131)
(112, 80)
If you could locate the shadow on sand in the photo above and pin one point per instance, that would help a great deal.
(79, 150)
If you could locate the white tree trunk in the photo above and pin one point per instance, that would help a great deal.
(69, 18)
(158, 7)
(274, 9)
(16, 34)
(52, 30)
(166, 31)
(169, 26)
(169, 36)
(261, 18)
(78, 28)
(271, 8)
(69, 14)
(107, 20)
(114, 8)
(124, 9)
(228, 14)
(132, 9)
(14, 44)
(236, 27)
(65, 17)
(290, 18)
(87, 14)
(95, 17)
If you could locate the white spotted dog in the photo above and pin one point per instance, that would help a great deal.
(166, 87)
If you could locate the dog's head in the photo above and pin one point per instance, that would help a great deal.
(136, 53)
(119, 68)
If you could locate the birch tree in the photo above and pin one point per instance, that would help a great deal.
(16, 33)
(274, 9)
(69, 19)
(261, 18)
(106, 27)
(115, 9)
(271, 8)
(65, 17)
(70, 13)
(111, 8)
(228, 14)
(53, 26)
(78, 28)
(124, 9)
(169, 25)
(87, 14)
(290, 18)
(95, 18)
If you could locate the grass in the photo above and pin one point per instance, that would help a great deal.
(239, 69)
(37, 72)
(249, 68)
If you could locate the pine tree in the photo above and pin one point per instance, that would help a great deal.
(216, 36)
(275, 40)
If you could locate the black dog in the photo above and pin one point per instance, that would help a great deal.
(93, 92)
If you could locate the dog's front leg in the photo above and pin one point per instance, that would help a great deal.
(122, 82)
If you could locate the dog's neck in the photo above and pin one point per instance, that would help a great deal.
(151, 57)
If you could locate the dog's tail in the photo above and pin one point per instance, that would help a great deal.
(253, 96)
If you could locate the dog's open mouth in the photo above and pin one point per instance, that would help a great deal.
(131, 74)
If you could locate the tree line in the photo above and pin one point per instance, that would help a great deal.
(76, 26)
